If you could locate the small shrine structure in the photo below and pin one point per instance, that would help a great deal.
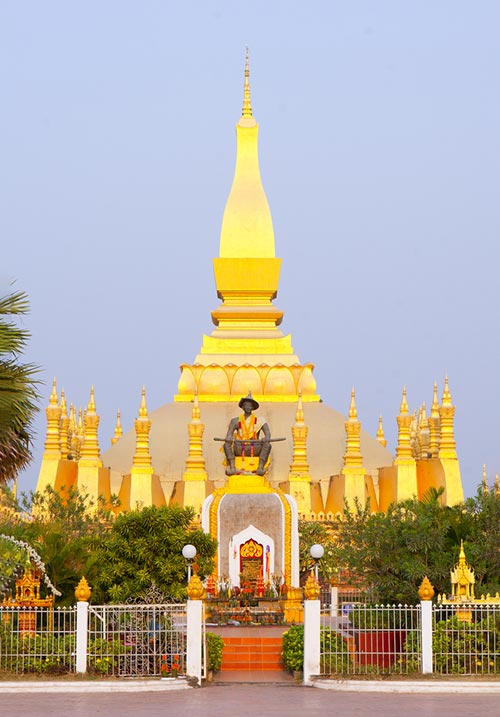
(462, 589)
(28, 596)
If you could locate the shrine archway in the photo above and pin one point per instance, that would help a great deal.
(250, 551)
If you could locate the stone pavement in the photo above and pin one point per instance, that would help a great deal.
(248, 700)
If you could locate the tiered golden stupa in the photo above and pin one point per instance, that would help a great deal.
(171, 456)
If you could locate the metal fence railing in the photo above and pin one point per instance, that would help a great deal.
(37, 640)
(371, 639)
(466, 639)
(137, 640)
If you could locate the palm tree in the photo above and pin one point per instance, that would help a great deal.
(18, 389)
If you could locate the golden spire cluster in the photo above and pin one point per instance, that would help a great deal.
(421, 436)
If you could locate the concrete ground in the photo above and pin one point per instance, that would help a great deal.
(245, 700)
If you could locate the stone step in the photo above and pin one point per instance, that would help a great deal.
(252, 653)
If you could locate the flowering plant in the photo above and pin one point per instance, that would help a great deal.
(171, 670)
(174, 667)
(164, 668)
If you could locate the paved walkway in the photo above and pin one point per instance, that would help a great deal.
(247, 701)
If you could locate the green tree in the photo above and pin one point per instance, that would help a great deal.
(18, 389)
(64, 528)
(393, 551)
(482, 539)
(144, 548)
(310, 533)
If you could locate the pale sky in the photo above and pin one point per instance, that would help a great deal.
(379, 154)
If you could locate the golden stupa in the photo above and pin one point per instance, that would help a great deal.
(170, 455)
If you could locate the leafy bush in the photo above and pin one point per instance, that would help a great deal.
(335, 655)
(215, 646)
(293, 648)
(38, 653)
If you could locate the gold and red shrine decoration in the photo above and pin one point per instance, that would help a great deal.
(251, 559)
(251, 549)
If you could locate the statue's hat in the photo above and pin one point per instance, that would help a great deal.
(249, 398)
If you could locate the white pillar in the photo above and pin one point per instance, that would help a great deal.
(82, 624)
(426, 627)
(334, 601)
(312, 626)
(194, 633)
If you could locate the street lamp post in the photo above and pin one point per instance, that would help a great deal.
(189, 552)
(317, 551)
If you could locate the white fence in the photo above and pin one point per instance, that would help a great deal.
(115, 640)
(137, 640)
(459, 639)
(38, 640)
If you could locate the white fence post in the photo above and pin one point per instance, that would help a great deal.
(426, 627)
(312, 627)
(334, 601)
(82, 623)
(194, 635)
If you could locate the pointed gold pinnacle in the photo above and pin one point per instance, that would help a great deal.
(247, 104)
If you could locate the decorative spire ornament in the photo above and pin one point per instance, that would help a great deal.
(118, 429)
(352, 455)
(53, 413)
(434, 425)
(404, 421)
(380, 433)
(142, 458)
(247, 104)
(447, 446)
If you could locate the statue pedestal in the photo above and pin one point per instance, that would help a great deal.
(256, 527)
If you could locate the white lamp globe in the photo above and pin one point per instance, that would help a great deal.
(317, 551)
(189, 551)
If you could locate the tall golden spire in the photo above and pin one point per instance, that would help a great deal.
(53, 413)
(64, 427)
(352, 456)
(299, 466)
(423, 433)
(434, 425)
(247, 348)
(89, 451)
(195, 462)
(142, 458)
(404, 421)
(447, 446)
(247, 227)
(247, 104)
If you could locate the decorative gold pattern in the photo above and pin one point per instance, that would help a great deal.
(83, 590)
(251, 549)
(426, 591)
(195, 589)
(311, 588)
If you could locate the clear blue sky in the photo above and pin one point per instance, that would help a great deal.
(380, 156)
